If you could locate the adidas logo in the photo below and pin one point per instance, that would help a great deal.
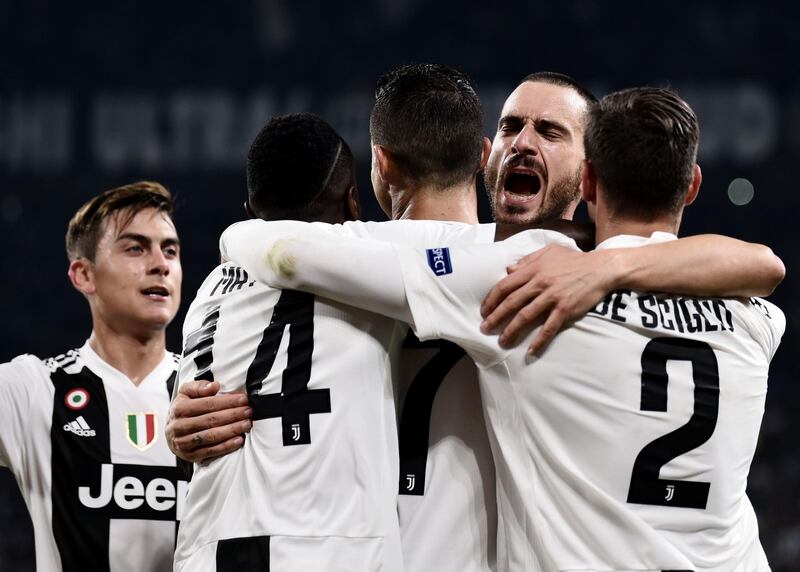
(80, 427)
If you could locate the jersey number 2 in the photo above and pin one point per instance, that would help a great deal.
(646, 487)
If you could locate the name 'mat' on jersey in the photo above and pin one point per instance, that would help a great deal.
(316, 483)
(626, 445)
(86, 447)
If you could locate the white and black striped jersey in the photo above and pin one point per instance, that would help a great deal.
(323, 470)
(86, 447)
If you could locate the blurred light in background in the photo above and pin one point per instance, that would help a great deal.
(740, 192)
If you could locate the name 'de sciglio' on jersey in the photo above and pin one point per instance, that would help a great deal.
(666, 312)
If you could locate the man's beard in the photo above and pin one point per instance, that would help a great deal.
(557, 203)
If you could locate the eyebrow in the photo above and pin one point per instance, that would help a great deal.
(509, 119)
(513, 119)
(147, 241)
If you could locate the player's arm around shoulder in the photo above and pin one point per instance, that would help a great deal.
(701, 265)
(556, 287)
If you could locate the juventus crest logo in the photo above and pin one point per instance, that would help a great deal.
(295, 431)
(410, 482)
(670, 492)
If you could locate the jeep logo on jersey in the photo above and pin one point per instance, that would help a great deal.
(439, 261)
(137, 491)
(141, 429)
(76, 398)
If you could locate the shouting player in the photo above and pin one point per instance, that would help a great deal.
(626, 444)
(83, 432)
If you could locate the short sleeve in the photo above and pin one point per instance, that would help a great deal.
(767, 324)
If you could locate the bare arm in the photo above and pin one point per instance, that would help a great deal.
(703, 265)
(557, 286)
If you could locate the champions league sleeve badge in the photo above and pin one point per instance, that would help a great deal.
(439, 261)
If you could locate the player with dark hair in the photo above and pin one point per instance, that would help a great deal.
(643, 178)
(534, 169)
(311, 487)
(311, 179)
(432, 120)
(428, 148)
(80, 431)
(638, 462)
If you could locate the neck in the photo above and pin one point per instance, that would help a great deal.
(134, 355)
(608, 225)
(457, 203)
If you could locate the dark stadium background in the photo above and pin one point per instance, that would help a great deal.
(94, 95)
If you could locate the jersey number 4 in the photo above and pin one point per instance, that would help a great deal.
(646, 487)
(295, 403)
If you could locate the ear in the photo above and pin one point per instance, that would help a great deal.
(487, 149)
(694, 186)
(387, 168)
(588, 183)
(81, 274)
(353, 204)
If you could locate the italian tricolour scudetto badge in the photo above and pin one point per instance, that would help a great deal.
(141, 429)
(77, 398)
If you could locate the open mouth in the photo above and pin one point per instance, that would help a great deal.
(522, 186)
(156, 292)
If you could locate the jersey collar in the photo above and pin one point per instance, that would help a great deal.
(107, 372)
(629, 240)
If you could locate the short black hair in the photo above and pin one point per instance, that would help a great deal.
(430, 119)
(295, 161)
(643, 143)
(563, 80)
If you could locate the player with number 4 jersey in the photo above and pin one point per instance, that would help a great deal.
(315, 484)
